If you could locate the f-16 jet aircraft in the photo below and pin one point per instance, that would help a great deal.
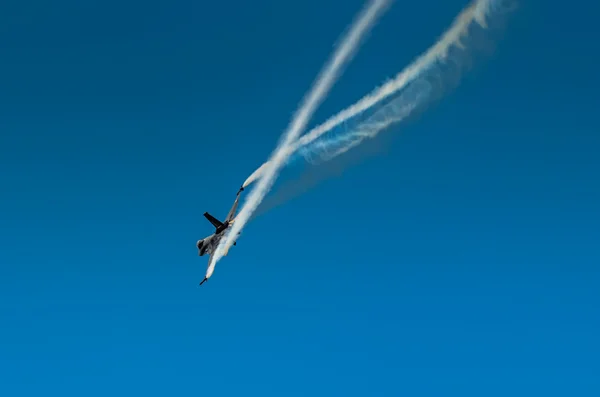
(209, 244)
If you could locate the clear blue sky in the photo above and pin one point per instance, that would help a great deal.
(463, 261)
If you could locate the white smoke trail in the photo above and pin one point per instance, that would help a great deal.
(323, 84)
(395, 111)
(410, 101)
(477, 12)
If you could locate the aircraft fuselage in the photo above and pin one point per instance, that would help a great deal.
(210, 243)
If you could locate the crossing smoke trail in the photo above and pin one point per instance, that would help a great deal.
(338, 148)
(318, 92)
(477, 13)
(428, 87)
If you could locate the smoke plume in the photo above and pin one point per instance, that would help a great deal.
(413, 88)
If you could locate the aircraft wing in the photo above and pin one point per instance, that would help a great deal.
(231, 214)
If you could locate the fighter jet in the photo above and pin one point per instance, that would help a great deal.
(209, 244)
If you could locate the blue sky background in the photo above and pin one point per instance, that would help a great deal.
(463, 260)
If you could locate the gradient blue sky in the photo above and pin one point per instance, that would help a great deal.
(462, 261)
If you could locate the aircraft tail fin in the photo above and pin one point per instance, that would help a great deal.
(215, 222)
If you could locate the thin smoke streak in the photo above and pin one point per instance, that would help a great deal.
(326, 79)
